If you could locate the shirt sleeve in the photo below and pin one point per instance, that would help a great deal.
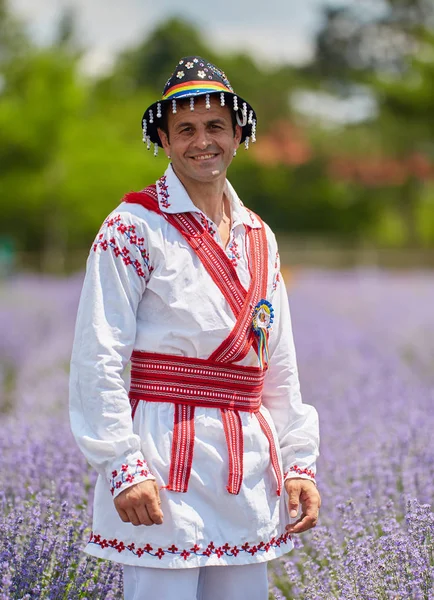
(296, 423)
(117, 272)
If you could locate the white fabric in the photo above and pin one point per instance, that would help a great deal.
(200, 583)
(146, 289)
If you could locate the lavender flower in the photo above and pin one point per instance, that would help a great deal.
(366, 359)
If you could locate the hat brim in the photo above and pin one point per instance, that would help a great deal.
(249, 114)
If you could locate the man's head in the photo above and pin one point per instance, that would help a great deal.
(202, 142)
(197, 82)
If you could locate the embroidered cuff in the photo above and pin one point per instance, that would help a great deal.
(132, 471)
(303, 473)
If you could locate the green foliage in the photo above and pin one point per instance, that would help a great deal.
(389, 48)
(70, 147)
(304, 200)
(150, 64)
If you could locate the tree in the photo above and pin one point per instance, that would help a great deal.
(388, 48)
(149, 64)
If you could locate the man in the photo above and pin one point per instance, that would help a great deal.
(183, 281)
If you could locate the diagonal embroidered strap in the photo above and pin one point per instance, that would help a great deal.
(238, 343)
(210, 253)
(236, 346)
(213, 257)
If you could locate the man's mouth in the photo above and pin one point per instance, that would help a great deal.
(204, 156)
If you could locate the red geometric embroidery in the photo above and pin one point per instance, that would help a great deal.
(164, 191)
(128, 475)
(196, 550)
(296, 469)
(233, 252)
(276, 278)
(206, 224)
(129, 231)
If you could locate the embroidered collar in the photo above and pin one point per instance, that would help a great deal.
(173, 198)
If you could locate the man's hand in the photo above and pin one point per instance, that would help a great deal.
(140, 504)
(304, 492)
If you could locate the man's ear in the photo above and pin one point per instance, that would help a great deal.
(238, 134)
(164, 140)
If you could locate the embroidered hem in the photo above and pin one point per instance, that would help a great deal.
(132, 554)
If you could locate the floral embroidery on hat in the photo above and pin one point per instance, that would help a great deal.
(189, 65)
(180, 74)
(181, 62)
(195, 60)
(201, 74)
(221, 74)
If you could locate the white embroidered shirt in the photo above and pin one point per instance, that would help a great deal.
(146, 289)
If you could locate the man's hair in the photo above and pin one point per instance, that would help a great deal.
(183, 101)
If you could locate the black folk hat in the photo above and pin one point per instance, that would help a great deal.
(194, 77)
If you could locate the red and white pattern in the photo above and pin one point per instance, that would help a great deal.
(277, 277)
(207, 225)
(234, 348)
(235, 441)
(233, 252)
(273, 452)
(211, 549)
(129, 474)
(164, 191)
(299, 471)
(182, 448)
(114, 228)
(188, 382)
(133, 313)
(198, 382)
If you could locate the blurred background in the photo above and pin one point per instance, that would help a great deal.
(344, 91)
(343, 170)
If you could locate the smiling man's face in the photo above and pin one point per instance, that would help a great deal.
(201, 142)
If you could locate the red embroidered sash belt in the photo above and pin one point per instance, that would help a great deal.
(189, 382)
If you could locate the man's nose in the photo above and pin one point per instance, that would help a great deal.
(202, 139)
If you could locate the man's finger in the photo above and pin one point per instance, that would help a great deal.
(304, 523)
(154, 511)
(123, 515)
(132, 517)
(294, 499)
(143, 516)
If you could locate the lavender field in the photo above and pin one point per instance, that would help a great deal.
(365, 343)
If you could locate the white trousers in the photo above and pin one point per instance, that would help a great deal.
(201, 583)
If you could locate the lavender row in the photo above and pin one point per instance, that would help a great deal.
(366, 362)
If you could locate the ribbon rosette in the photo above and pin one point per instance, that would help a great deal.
(263, 315)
